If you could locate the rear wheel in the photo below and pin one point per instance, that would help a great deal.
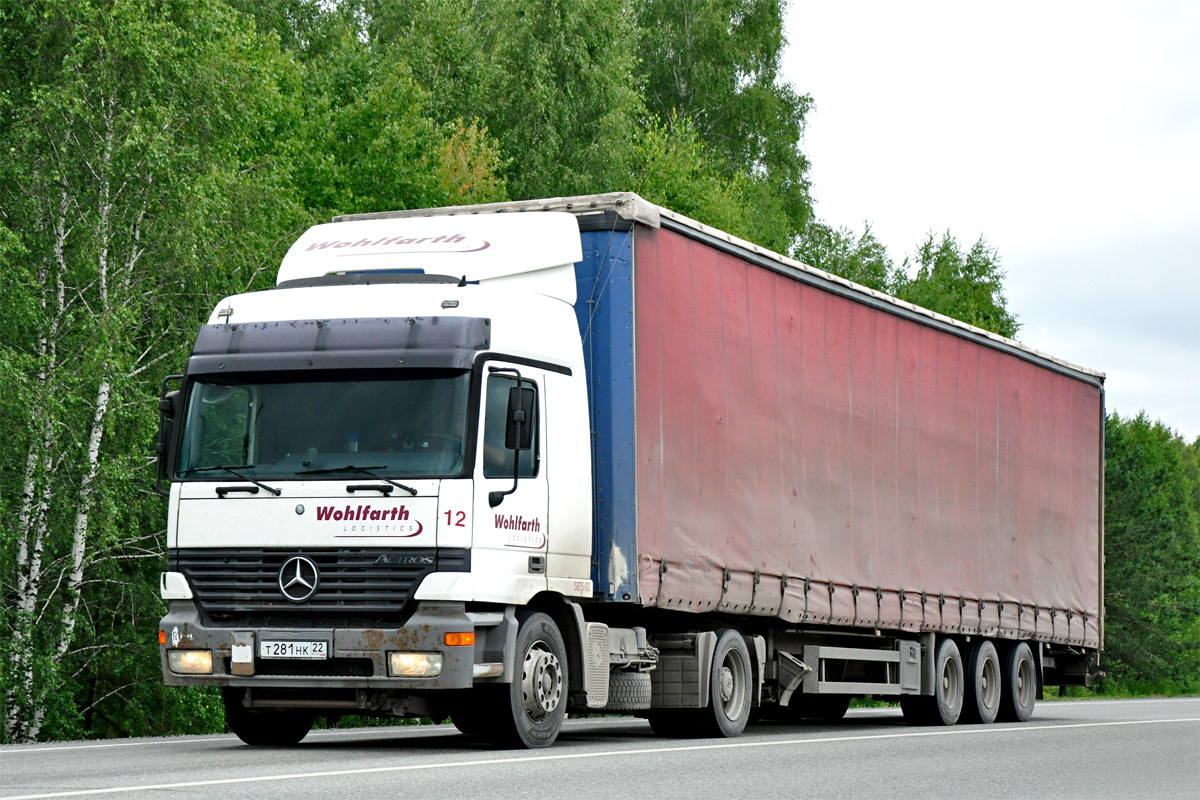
(729, 696)
(983, 685)
(945, 705)
(730, 685)
(532, 708)
(264, 728)
(1018, 677)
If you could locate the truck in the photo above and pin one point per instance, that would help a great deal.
(501, 463)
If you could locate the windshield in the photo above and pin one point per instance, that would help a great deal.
(400, 423)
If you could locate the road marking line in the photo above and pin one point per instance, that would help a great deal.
(567, 756)
(321, 734)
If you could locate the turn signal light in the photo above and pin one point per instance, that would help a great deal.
(465, 639)
(162, 637)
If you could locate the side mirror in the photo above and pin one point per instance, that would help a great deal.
(520, 420)
(519, 433)
(169, 406)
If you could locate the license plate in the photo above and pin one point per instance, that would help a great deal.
(309, 650)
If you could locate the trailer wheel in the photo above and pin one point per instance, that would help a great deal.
(983, 685)
(1019, 684)
(729, 687)
(264, 728)
(532, 708)
(945, 705)
(948, 693)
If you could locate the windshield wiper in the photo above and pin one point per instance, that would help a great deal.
(361, 471)
(231, 471)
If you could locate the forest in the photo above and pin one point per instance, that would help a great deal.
(161, 154)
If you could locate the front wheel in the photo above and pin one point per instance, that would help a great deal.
(533, 707)
(264, 728)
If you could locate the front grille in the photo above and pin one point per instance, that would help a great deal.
(356, 584)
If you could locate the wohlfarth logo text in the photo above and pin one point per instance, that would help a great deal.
(361, 513)
(518, 523)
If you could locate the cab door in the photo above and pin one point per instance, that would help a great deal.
(511, 525)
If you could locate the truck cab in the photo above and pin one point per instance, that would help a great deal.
(359, 461)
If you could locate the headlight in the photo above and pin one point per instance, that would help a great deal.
(414, 665)
(190, 662)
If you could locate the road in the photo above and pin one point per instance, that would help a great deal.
(1093, 750)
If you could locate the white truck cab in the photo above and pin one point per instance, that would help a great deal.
(360, 461)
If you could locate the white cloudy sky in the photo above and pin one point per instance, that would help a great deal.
(1066, 133)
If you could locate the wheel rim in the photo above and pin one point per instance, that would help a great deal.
(541, 681)
(1025, 683)
(989, 683)
(732, 683)
(951, 686)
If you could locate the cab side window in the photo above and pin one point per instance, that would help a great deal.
(498, 459)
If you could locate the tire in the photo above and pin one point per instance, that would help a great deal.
(1018, 676)
(628, 691)
(730, 684)
(981, 700)
(264, 728)
(945, 706)
(529, 712)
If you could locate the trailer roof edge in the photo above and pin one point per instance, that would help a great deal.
(632, 207)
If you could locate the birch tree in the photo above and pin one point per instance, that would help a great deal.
(158, 155)
(127, 114)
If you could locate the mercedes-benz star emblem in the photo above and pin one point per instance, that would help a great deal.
(298, 579)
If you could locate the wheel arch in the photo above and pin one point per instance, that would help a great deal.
(568, 617)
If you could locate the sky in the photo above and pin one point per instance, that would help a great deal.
(1067, 134)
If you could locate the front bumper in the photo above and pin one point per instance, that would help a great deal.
(357, 657)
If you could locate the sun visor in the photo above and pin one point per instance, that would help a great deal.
(537, 251)
(340, 344)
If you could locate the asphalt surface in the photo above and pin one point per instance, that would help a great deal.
(1093, 750)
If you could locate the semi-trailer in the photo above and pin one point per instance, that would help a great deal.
(505, 462)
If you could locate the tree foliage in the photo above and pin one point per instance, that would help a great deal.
(863, 259)
(964, 285)
(716, 66)
(1152, 556)
(940, 276)
(550, 79)
(158, 155)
